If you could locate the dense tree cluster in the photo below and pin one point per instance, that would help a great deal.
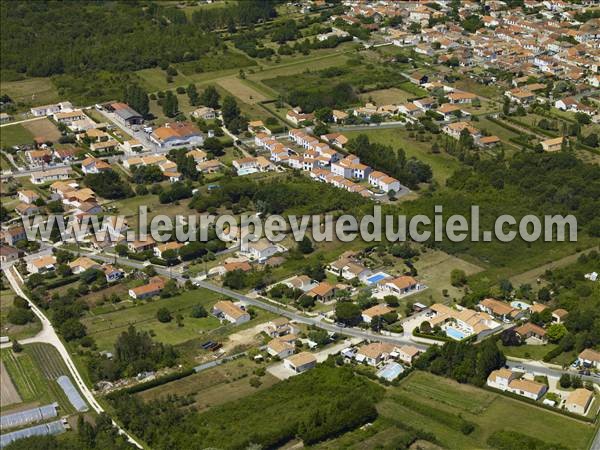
(239, 14)
(320, 404)
(134, 352)
(136, 97)
(381, 157)
(108, 184)
(463, 362)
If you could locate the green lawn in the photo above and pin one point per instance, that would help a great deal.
(105, 328)
(442, 164)
(489, 412)
(536, 352)
(34, 372)
(15, 331)
(15, 134)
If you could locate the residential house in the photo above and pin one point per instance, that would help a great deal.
(224, 309)
(46, 110)
(537, 308)
(459, 97)
(280, 326)
(384, 182)
(531, 333)
(8, 254)
(323, 292)
(501, 378)
(94, 165)
(112, 273)
(161, 248)
(374, 311)
(38, 157)
(154, 287)
(527, 388)
(375, 353)
(552, 145)
(449, 111)
(210, 166)
(579, 401)
(455, 129)
(280, 349)
(418, 78)
(500, 310)
(296, 117)
(339, 116)
(69, 117)
(205, 113)
(520, 96)
(41, 264)
(199, 155)
(46, 176)
(260, 250)
(408, 353)
(488, 141)
(177, 134)
(302, 282)
(589, 358)
(345, 266)
(337, 139)
(462, 323)
(105, 146)
(13, 235)
(132, 145)
(141, 246)
(300, 362)
(559, 315)
(82, 264)
(28, 196)
(26, 209)
(398, 286)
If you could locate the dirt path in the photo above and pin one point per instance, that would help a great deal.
(532, 275)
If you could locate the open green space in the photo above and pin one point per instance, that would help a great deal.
(9, 329)
(16, 134)
(105, 328)
(443, 165)
(488, 411)
(536, 352)
(31, 91)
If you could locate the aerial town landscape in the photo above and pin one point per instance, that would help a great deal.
(117, 115)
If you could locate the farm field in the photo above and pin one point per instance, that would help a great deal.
(34, 372)
(442, 164)
(9, 329)
(8, 391)
(224, 383)
(488, 411)
(42, 128)
(16, 134)
(242, 90)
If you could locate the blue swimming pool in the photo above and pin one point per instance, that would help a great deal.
(390, 371)
(247, 171)
(377, 277)
(455, 334)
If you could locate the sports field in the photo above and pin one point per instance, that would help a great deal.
(447, 400)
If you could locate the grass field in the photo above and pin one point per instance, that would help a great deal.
(224, 383)
(15, 134)
(34, 372)
(34, 91)
(105, 328)
(386, 96)
(489, 412)
(434, 269)
(15, 331)
(442, 164)
(536, 352)
(242, 90)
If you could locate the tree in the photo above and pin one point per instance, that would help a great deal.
(192, 94)
(565, 381)
(170, 105)
(544, 295)
(391, 300)
(72, 329)
(198, 311)
(230, 110)
(348, 313)
(210, 97)
(305, 245)
(20, 316)
(458, 277)
(163, 315)
(16, 346)
(556, 332)
(137, 98)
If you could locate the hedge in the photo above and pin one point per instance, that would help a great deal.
(62, 282)
(432, 337)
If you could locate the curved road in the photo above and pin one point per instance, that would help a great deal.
(48, 335)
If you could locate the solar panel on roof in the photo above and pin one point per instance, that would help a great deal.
(72, 393)
(55, 427)
(21, 418)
